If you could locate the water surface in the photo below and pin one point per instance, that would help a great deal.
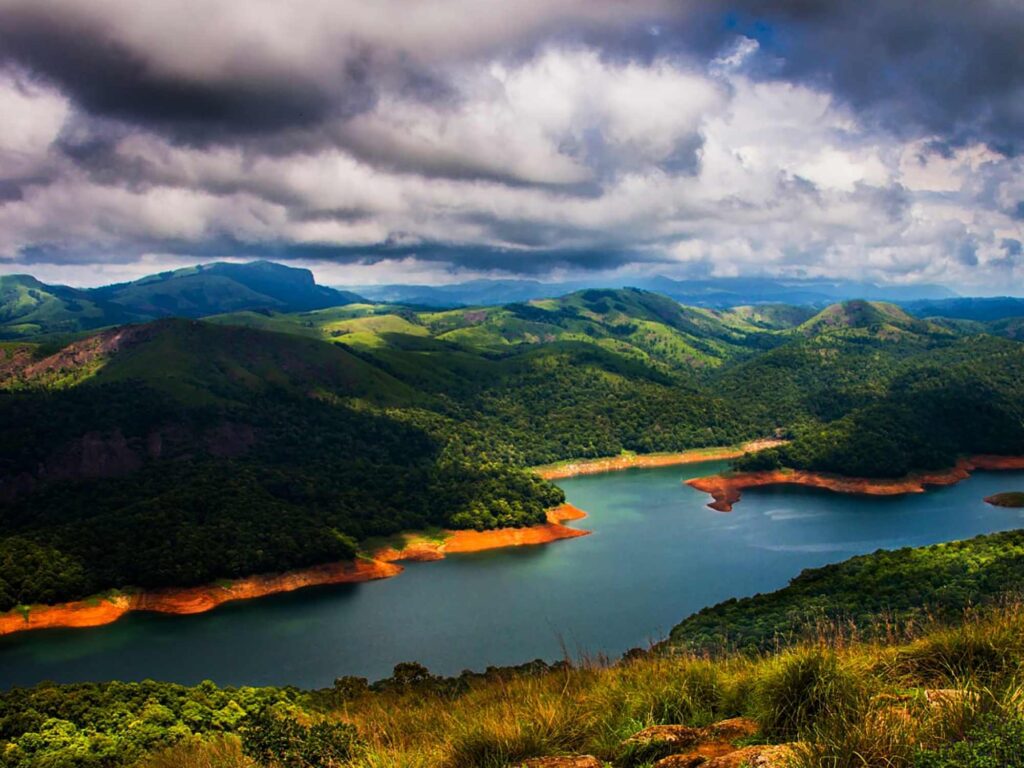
(657, 554)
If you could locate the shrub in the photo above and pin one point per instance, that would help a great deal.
(287, 743)
(996, 742)
(803, 688)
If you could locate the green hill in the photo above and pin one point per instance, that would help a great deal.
(310, 431)
(887, 591)
(178, 431)
(644, 326)
(30, 308)
(871, 317)
(209, 289)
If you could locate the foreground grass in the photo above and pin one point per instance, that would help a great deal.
(949, 696)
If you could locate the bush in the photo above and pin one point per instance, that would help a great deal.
(801, 689)
(995, 743)
(286, 743)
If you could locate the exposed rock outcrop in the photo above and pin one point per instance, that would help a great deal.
(681, 746)
(764, 756)
(579, 761)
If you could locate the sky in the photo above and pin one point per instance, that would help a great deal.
(430, 142)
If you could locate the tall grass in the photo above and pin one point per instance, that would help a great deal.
(844, 705)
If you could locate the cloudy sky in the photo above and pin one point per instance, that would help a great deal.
(410, 141)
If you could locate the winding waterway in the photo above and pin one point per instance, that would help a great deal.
(657, 554)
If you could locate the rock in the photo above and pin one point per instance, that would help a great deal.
(579, 761)
(680, 746)
(697, 755)
(659, 741)
(712, 742)
(689, 760)
(732, 729)
(763, 756)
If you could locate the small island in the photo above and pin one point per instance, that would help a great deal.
(1009, 499)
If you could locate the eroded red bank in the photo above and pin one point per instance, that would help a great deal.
(727, 489)
(97, 611)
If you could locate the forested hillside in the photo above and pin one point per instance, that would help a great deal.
(262, 440)
(30, 308)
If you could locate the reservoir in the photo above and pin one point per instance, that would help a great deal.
(656, 555)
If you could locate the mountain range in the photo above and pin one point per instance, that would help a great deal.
(29, 307)
(710, 292)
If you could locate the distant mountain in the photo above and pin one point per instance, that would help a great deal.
(472, 293)
(29, 307)
(209, 289)
(712, 292)
(735, 291)
(980, 309)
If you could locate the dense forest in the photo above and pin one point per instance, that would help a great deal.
(179, 452)
(882, 593)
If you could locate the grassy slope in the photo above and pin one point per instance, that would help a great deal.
(845, 704)
(30, 308)
(640, 325)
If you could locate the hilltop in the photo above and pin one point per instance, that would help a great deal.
(31, 308)
(873, 317)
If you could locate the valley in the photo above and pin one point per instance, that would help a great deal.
(655, 555)
(161, 472)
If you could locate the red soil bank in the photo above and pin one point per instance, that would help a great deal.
(727, 489)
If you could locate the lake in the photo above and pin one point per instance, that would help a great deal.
(656, 555)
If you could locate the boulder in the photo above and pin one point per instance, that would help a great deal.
(697, 755)
(578, 761)
(732, 729)
(659, 741)
(763, 756)
(690, 760)
(680, 746)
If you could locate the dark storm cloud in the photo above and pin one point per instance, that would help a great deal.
(555, 134)
(107, 79)
(458, 256)
(946, 67)
(949, 68)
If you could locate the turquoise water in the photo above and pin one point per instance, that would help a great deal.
(657, 554)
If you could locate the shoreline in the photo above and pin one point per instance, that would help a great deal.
(726, 490)
(574, 468)
(382, 564)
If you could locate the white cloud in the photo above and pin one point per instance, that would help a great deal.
(560, 149)
(33, 117)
